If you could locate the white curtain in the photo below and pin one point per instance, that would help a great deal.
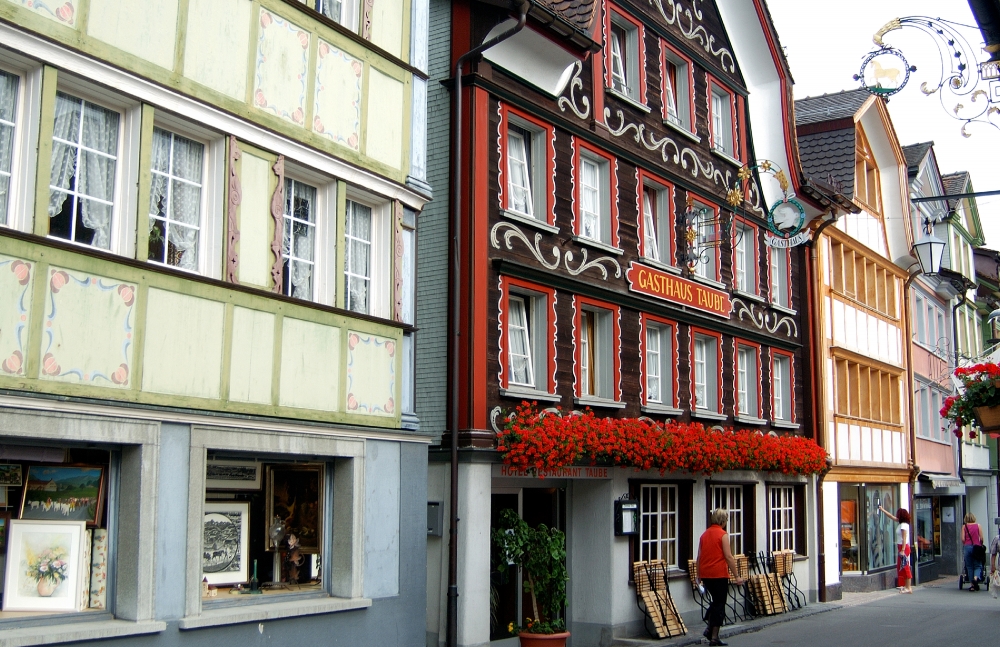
(298, 243)
(97, 172)
(175, 195)
(67, 127)
(359, 245)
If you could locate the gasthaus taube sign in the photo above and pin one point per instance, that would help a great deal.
(654, 283)
(571, 472)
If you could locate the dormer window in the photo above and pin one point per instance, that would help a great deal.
(866, 177)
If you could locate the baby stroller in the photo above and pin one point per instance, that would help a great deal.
(984, 578)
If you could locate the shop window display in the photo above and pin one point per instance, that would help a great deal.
(867, 537)
(264, 527)
(54, 529)
(928, 528)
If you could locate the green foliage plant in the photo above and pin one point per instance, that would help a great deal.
(540, 553)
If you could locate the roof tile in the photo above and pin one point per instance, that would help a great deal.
(827, 107)
(829, 157)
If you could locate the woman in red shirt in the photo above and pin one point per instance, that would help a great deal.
(715, 563)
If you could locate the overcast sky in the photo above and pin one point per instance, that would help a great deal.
(825, 43)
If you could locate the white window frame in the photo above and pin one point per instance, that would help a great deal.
(656, 247)
(660, 363)
(326, 280)
(290, 183)
(781, 516)
(601, 218)
(536, 148)
(348, 12)
(123, 214)
(659, 529)
(748, 399)
(730, 499)
(705, 361)
(536, 313)
(720, 111)
(778, 263)
(603, 351)
(379, 254)
(624, 58)
(24, 156)
(705, 229)
(781, 387)
(213, 193)
(745, 259)
(681, 90)
(517, 324)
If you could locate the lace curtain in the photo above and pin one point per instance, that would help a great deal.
(87, 153)
(359, 235)
(8, 100)
(175, 195)
(298, 242)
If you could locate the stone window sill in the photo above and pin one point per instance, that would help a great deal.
(661, 409)
(596, 244)
(682, 131)
(707, 415)
(751, 420)
(78, 631)
(599, 403)
(262, 612)
(530, 221)
(784, 424)
(638, 105)
(530, 394)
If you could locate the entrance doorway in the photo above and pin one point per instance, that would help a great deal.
(508, 602)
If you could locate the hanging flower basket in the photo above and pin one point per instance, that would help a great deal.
(979, 401)
(551, 440)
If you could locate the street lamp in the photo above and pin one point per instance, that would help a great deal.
(929, 250)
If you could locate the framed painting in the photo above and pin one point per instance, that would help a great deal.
(10, 474)
(64, 493)
(232, 475)
(295, 497)
(225, 543)
(44, 565)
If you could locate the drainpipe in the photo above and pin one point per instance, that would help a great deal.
(456, 310)
(908, 336)
(954, 337)
(818, 408)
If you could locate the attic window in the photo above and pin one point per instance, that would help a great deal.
(866, 180)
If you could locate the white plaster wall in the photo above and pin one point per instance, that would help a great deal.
(255, 217)
(474, 505)
(590, 549)
(217, 45)
(381, 519)
(831, 529)
(144, 28)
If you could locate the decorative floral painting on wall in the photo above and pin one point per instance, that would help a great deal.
(15, 311)
(371, 374)
(281, 68)
(43, 566)
(63, 11)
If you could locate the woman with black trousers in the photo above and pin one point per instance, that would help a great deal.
(715, 563)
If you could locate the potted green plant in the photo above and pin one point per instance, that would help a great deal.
(979, 401)
(540, 553)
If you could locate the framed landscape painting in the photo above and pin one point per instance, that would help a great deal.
(10, 474)
(232, 475)
(44, 565)
(64, 493)
(226, 542)
(295, 494)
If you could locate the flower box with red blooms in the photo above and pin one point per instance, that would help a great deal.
(979, 401)
(547, 440)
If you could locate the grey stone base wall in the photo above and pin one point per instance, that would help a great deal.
(868, 583)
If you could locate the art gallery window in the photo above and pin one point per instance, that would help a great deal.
(664, 522)
(659, 362)
(779, 276)
(597, 354)
(597, 213)
(528, 344)
(526, 144)
(678, 80)
(786, 518)
(626, 57)
(706, 373)
(64, 511)
(656, 221)
(286, 511)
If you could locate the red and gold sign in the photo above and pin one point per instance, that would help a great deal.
(654, 283)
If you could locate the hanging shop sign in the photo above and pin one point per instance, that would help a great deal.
(571, 472)
(661, 285)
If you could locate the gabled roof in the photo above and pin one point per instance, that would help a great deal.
(827, 107)
(829, 157)
(915, 154)
(955, 182)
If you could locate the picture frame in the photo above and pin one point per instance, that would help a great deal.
(232, 475)
(226, 542)
(295, 494)
(10, 474)
(56, 545)
(64, 493)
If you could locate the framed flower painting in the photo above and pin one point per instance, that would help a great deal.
(44, 565)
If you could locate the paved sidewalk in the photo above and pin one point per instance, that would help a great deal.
(695, 625)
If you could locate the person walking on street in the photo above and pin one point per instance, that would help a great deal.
(994, 553)
(972, 537)
(903, 571)
(715, 563)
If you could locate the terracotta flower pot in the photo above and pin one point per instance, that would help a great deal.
(988, 418)
(543, 640)
(47, 587)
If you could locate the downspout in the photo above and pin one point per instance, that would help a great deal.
(818, 408)
(908, 336)
(954, 337)
(456, 310)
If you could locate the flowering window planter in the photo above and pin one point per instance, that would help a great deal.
(547, 440)
(979, 401)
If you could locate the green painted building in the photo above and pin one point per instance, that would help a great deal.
(207, 295)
